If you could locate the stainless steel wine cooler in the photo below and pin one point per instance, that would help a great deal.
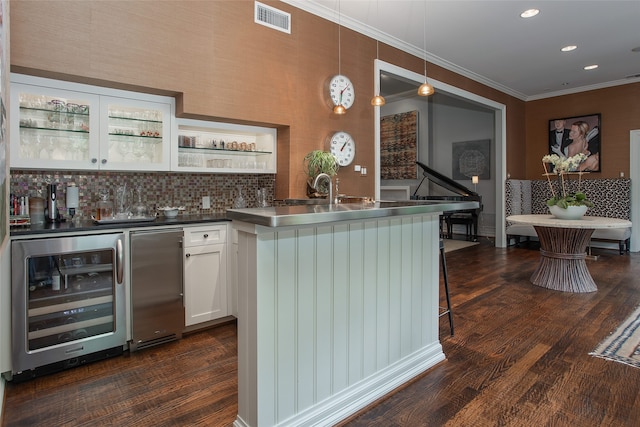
(68, 298)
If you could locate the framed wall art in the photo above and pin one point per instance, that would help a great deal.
(399, 146)
(569, 136)
(471, 158)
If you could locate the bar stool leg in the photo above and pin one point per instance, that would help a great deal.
(446, 287)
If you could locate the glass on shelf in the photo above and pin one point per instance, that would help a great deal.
(135, 114)
(40, 145)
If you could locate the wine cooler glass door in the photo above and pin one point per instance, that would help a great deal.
(68, 299)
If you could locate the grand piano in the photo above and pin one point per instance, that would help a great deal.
(468, 217)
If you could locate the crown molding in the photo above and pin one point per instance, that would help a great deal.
(583, 89)
(333, 16)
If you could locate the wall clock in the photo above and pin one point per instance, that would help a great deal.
(343, 147)
(341, 91)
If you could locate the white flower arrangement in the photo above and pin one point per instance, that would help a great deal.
(563, 164)
(561, 167)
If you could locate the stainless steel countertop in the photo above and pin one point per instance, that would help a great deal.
(281, 216)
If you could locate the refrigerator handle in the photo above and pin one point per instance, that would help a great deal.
(119, 263)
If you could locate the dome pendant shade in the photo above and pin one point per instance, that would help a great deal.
(377, 101)
(339, 109)
(425, 89)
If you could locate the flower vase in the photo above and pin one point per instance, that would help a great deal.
(571, 212)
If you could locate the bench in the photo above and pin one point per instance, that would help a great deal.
(611, 198)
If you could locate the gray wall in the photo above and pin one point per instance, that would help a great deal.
(443, 120)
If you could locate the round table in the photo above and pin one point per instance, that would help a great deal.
(563, 246)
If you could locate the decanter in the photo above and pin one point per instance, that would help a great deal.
(240, 201)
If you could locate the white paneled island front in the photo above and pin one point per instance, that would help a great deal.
(337, 306)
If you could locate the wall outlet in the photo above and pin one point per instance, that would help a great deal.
(206, 202)
(356, 168)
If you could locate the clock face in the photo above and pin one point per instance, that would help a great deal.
(341, 91)
(343, 147)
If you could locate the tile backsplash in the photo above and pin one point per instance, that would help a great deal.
(157, 189)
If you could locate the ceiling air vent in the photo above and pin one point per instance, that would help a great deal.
(272, 18)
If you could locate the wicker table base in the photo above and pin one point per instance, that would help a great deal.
(562, 264)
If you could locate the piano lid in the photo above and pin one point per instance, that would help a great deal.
(446, 182)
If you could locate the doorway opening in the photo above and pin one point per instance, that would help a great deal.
(451, 115)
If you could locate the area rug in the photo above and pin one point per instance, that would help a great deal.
(453, 245)
(623, 345)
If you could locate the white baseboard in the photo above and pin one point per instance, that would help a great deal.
(356, 397)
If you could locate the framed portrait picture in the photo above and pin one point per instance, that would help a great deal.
(569, 136)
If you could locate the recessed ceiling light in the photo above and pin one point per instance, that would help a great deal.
(591, 67)
(569, 48)
(529, 13)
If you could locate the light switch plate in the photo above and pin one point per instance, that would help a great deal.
(206, 202)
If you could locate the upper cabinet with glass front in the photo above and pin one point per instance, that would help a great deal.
(62, 125)
(214, 147)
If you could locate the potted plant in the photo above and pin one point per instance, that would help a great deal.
(315, 163)
(565, 204)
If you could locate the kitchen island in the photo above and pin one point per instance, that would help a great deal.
(338, 306)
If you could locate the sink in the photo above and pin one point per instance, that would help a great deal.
(341, 200)
(354, 199)
(295, 202)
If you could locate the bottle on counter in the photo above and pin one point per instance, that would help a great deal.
(104, 207)
(55, 281)
(36, 210)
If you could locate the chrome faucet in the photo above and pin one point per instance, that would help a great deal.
(330, 182)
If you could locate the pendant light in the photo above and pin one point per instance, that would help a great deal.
(425, 88)
(377, 101)
(339, 108)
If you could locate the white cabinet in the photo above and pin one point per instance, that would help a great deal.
(205, 273)
(62, 125)
(223, 147)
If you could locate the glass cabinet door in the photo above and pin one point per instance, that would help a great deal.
(56, 125)
(70, 296)
(135, 134)
(53, 128)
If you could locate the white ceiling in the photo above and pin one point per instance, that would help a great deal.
(489, 42)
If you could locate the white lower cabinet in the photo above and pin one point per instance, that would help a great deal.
(205, 273)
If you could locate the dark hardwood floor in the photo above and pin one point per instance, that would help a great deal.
(519, 358)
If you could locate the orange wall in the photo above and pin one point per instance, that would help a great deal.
(620, 110)
(220, 65)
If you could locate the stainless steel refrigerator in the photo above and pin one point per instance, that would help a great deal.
(157, 307)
